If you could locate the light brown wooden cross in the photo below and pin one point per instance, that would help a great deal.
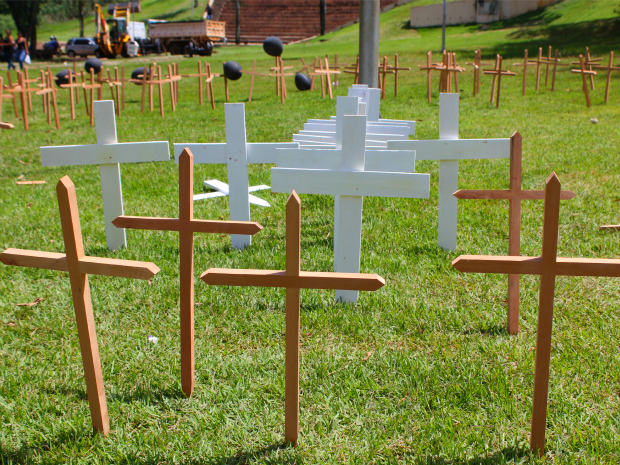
(477, 68)
(396, 69)
(293, 280)
(584, 72)
(253, 73)
(79, 267)
(9, 95)
(524, 64)
(327, 73)
(21, 90)
(498, 73)
(610, 68)
(280, 75)
(556, 63)
(50, 89)
(548, 266)
(171, 79)
(114, 84)
(73, 82)
(384, 70)
(92, 86)
(209, 82)
(429, 68)
(200, 75)
(28, 81)
(353, 68)
(515, 196)
(279, 68)
(186, 225)
(308, 69)
(589, 62)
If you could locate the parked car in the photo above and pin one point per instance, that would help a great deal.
(82, 46)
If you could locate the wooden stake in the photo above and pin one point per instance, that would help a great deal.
(75, 74)
(79, 266)
(160, 90)
(12, 96)
(209, 82)
(498, 73)
(583, 73)
(122, 86)
(292, 279)
(186, 225)
(610, 68)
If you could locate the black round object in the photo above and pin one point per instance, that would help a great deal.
(62, 77)
(94, 64)
(273, 46)
(232, 70)
(302, 82)
(137, 74)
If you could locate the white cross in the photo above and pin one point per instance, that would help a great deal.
(350, 182)
(448, 150)
(372, 98)
(223, 190)
(236, 152)
(108, 154)
(325, 132)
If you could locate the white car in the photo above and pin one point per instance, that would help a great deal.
(82, 46)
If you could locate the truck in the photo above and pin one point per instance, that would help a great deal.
(111, 36)
(188, 37)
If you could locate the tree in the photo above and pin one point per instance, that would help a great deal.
(25, 15)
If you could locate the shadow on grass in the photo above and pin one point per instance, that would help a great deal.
(147, 396)
(506, 455)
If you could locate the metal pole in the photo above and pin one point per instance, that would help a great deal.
(443, 29)
(369, 42)
(323, 8)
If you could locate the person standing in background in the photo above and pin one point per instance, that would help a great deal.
(9, 45)
(22, 49)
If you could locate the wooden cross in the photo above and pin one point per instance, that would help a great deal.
(351, 69)
(186, 225)
(548, 266)
(327, 73)
(21, 89)
(589, 62)
(92, 86)
(209, 82)
(429, 68)
(279, 75)
(556, 63)
(583, 73)
(396, 70)
(515, 196)
(50, 89)
(292, 279)
(79, 267)
(108, 154)
(3, 125)
(9, 95)
(384, 70)
(448, 150)
(524, 64)
(499, 73)
(349, 183)
(73, 83)
(115, 84)
(308, 69)
(200, 75)
(610, 67)
(27, 82)
(254, 73)
(236, 153)
(476, 73)
(171, 79)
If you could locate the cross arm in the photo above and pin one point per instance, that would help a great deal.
(459, 149)
(88, 265)
(533, 265)
(198, 226)
(305, 280)
(578, 71)
(131, 152)
(465, 194)
(6, 126)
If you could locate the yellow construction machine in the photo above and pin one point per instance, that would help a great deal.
(112, 35)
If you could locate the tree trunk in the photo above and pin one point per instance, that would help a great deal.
(237, 22)
(81, 16)
(25, 15)
(323, 13)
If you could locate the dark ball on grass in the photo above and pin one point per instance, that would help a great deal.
(137, 74)
(302, 82)
(273, 46)
(62, 77)
(232, 70)
(94, 64)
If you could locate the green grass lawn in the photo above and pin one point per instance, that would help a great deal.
(421, 371)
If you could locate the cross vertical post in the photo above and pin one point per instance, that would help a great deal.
(514, 231)
(291, 396)
(448, 173)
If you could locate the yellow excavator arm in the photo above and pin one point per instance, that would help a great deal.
(102, 37)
